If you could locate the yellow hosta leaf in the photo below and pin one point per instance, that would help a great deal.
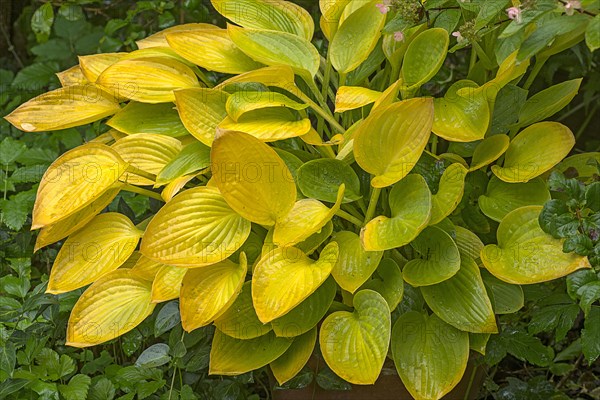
(353, 97)
(449, 194)
(489, 150)
(307, 217)
(389, 96)
(256, 183)
(100, 247)
(331, 12)
(268, 124)
(525, 254)
(147, 152)
(72, 76)
(201, 111)
(112, 306)
(390, 141)
(218, 53)
(279, 76)
(355, 265)
(524, 161)
(277, 48)
(64, 108)
(244, 101)
(295, 358)
(148, 80)
(146, 268)
(93, 65)
(159, 38)
(283, 278)
(167, 283)
(208, 292)
(195, 229)
(175, 186)
(75, 180)
(63, 228)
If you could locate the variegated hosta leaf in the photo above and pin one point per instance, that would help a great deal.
(295, 358)
(159, 38)
(201, 111)
(147, 152)
(307, 314)
(196, 228)
(430, 355)
(307, 217)
(100, 247)
(167, 283)
(278, 15)
(240, 320)
(66, 226)
(72, 76)
(353, 97)
(218, 53)
(229, 356)
(489, 150)
(277, 48)
(256, 183)
(462, 300)
(148, 118)
(110, 307)
(525, 254)
(64, 108)
(93, 65)
(75, 180)
(355, 345)
(208, 292)
(244, 101)
(449, 194)
(523, 161)
(268, 124)
(390, 141)
(148, 80)
(410, 203)
(355, 265)
(283, 278)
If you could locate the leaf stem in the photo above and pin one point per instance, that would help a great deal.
(145, 192)
(327, 116)
(372, 205)
(349, 217)
(136, 171)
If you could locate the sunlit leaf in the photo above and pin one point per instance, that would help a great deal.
(148, 118)
(167, 283)
(94, 64)
(501, 198)
(244, 101)
(295, 358)
(201, 111)
(353, 97)
(268, 124)
(72, 76)
(355, 265)
(159, 38)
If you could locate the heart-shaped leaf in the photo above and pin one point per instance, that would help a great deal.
(137, 117)
(283, 278)
(230, 356)
(194, 229)
(449, 194)
(441, 258)
(355, 265)
(110, 307)
(430, 355)
(489, 150)
(100, 247)
(256, 183)
(208, 292)
(390, 141)
(524, 162)
(462, 300)
(240, 320)
(201, 111)
(501, 198)
(525, 254)
(295, 358)
(388, 282)
(320, 179)
(410, 202)
(354, 345)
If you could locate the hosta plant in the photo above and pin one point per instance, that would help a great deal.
(353, 199)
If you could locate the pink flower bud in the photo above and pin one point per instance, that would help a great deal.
(514, 13)
(399, 36)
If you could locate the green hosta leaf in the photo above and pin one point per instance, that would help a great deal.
(441, 258)
(525, 253)
(488, 151)
(462, 300)
(295, 358)
(590, 336)
(449, 194)
(355, 345)
(354, 265)
(148, 118)
(356, 38)
(478, 342)
(468, 243)
(424, 57)
(240, 320)
(307, 314)
(275, 48)
(229, 356)
(320, 179)
(548, 102)
(506, 298)
(461, 118)
(410, 203)
(430, 355)
(592, 34)
(244, 101)
(193, 158)
(524, 162)
(501, 197)
(388, 282)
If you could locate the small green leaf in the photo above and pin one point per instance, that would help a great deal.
(41, 22)
(592, 34)
(548, 102)
(77, 388)
(590, 335)
(168, 317)
(154, 356)
(320, 179)
(424, 57)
